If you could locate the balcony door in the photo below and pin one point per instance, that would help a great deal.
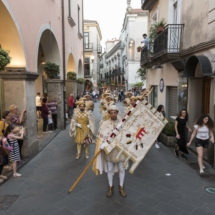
(174, 30)
(86, 40)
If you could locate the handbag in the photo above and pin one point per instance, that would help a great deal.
(6, 145)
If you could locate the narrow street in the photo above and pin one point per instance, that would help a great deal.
(46, 179)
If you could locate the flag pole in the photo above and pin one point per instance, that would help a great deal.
(84, 171)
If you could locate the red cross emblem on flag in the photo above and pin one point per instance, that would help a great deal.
(140, 133)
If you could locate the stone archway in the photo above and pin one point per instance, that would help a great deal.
(80, 69)
(48, 50)
(11, 38)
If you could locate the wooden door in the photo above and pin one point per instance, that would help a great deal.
(206, 95)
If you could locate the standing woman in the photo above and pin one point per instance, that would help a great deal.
(203, 131)
(160, 109)
(16, 120)
(180, 130)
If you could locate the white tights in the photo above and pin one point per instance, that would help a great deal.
(110, 172)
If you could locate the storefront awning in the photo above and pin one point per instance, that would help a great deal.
(192, 62)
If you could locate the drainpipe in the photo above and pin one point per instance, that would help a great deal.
(64, 66)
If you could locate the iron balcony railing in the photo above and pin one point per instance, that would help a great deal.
(88, 46)
(167, 42)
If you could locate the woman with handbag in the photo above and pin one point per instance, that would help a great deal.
(12, 134)
(203, 133)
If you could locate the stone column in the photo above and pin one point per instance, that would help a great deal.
(55, 88)
(71, 87)
(19, 89)
(80, 88)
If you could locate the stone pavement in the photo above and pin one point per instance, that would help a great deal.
(43, 187)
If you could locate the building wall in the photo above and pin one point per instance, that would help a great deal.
(170, 77)
(95, 39)
(196, 23)
(39, 19)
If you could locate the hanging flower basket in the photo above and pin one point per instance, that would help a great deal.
(4, 58)
(139, 48)
(52, 70)
(159, 29)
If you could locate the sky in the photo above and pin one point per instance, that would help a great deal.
(109, 14)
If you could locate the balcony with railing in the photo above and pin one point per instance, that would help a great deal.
(88, 47)
(165, 47)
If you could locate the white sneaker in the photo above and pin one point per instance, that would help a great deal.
(157, 146)
(50, 131)
(16, 175)
(201, 171)
(45, 132)
(203, 167)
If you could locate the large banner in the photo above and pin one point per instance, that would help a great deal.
(139, 129)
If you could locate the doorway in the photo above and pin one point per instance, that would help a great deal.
(206, 88)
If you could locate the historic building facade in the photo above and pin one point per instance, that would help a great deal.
(56, 37)
(92, 52)
(181, 60)
(120, 61)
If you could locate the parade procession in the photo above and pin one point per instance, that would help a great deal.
(121, 138)
(107, 107)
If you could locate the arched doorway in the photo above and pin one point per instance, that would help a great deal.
(80, 69)
(198, 70)
(11, 38)
(48, 50)
(71, 85)
(71, 64)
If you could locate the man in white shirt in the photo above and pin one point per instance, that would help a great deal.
(146, 41)
(94, 95)
(38, 104)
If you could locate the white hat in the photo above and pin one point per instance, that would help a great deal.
(113, 107)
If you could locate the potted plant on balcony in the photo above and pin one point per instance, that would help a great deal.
(139, 48)
(71, 76)
(168, 134)
(160, 26)
(4, 58)
(81, 80)
(52, 70)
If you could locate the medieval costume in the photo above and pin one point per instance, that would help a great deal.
(106, 162)
(133, 100)
(82, 126)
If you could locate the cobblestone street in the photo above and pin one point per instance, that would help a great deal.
(46, 179)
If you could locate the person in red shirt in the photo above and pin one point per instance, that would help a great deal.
(71, 105)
